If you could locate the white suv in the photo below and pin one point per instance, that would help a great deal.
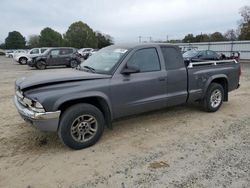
(23, 58)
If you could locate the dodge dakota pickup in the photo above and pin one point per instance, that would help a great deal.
(118, 81)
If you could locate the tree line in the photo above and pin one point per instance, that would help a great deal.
(78, 35)
(241, 33)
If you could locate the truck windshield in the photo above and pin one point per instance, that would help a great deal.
(104, 60)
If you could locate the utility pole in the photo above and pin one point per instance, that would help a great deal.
(140, 39)
(150, 39)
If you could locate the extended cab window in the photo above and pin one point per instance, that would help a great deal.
(172, 58)
(146, 60)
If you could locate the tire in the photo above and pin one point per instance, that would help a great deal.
(41, 65)
(76, 124)
(214, 97)
(10, 56)
(73, 63)
(23, 61)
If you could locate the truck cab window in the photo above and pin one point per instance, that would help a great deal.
(146, 60)
(172, 58)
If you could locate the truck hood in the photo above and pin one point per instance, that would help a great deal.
(68, 75)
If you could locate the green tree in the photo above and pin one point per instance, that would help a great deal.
(34, 41)
(80, 35)
(50, 38)
(2, 46)
(202, 38)
(15, 40)
(103, 40)
(189, 38)
(217, 36)
(244, 26)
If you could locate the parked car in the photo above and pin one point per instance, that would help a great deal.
(85, 52)
(233, 55)
(56, 57)
(2, 52)
(12, 53)
(185, 48)
(8, 53)
(118, 81)
(200, 55)
(93, 52)
(23, 58)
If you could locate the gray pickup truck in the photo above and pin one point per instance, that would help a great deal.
(118, 81)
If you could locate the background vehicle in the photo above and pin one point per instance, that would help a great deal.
(93, 52)
(8, 52)
(185, 48)
(119, 81)
(233, 55)
(12, 53)
(56, 57)
(2, 52)
(200, 55)
(23, 58)
(85, 52)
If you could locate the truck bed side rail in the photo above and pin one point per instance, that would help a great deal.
(204, 63)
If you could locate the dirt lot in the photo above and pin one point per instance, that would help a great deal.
(177, 147)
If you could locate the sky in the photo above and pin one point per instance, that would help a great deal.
(124, 20)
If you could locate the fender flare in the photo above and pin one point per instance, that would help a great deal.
(83, 95)
(211, 79)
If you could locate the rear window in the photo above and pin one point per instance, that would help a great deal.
(172, 58)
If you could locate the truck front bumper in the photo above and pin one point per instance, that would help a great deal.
(45, 121)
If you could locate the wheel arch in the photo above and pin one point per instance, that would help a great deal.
(98, 101)
(219, 79)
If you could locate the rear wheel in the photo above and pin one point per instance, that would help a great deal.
(23, 60)
(41, 65)
(214, 97)
(81, 126)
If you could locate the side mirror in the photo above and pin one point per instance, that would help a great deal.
(130, 69)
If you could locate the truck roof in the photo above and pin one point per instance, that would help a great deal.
(135, 45)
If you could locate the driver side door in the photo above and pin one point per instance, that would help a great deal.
(142, 91)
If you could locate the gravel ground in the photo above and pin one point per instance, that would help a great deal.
(176, 147)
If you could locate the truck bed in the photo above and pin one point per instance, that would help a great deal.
(200, 75)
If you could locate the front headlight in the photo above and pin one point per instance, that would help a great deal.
(29, 103)
(37, 106)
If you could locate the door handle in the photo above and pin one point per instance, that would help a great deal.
(162, 78)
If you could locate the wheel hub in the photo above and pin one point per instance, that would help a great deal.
(216, 98)
(83, 128)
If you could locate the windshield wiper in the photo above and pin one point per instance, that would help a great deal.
(90, 68)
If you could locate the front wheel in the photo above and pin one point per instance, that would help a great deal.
(81, 126)
(73, 63)
(214, 97)
(23, 60)
(41, 65)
